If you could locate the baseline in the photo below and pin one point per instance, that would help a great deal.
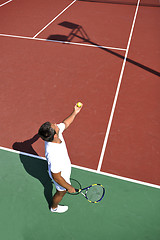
(87, 169)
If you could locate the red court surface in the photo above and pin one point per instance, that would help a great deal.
(102, 25)
(28, 17)
(63, 75)
(134, 141)
(42, 80)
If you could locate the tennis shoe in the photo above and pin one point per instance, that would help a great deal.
(59, 209)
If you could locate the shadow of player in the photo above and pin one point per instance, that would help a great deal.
(37, 168)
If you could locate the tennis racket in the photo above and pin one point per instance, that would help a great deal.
(93, 193)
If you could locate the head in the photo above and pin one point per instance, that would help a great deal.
(47, 132)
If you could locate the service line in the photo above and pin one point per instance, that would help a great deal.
(5, 3)
(64, 42)
(117, 93)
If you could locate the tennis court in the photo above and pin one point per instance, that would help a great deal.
(105, 54)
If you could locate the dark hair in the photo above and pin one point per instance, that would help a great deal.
(46, 132)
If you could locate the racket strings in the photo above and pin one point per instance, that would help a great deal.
(95, 193)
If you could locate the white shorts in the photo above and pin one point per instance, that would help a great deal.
(59, 187)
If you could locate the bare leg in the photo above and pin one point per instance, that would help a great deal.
(57, 198)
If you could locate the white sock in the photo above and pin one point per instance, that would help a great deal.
(53, 210)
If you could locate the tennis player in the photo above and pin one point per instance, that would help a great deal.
(59, 164)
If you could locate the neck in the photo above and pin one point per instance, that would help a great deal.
(56, 140)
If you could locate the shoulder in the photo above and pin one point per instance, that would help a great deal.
(61, 127)
(48, 146)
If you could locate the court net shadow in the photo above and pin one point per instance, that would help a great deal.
(78, 31)
(35, 167)
(75, 31)
(144, 3)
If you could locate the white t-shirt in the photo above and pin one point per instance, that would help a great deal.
(57, 156)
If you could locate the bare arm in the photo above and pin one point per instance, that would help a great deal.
(60, 180)
(71, 117)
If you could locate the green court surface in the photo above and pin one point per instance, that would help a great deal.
(128, 211)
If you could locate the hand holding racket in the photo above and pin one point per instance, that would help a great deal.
(71, 190)
(93, 193)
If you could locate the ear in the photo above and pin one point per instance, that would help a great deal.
(55, 135)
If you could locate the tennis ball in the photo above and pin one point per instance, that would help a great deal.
(79, 104)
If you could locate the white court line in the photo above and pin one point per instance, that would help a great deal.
(64, 42)
(5, 3)
(117, 93)
(87, 169)
(54, 19)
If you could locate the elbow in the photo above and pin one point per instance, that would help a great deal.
(56, 177)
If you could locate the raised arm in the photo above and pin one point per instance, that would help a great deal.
(72, 116)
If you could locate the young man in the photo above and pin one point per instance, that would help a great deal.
(59, 165)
